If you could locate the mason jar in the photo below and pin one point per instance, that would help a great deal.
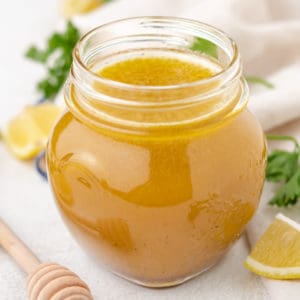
(156, 182)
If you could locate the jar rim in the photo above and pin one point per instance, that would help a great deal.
(224, 73)
(135, 108)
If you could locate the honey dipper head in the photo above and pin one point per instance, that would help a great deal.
(54, 282)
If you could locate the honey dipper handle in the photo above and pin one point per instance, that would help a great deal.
(17, 249)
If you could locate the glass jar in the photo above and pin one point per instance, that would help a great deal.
(156, 182)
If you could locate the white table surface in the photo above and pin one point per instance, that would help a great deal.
(27, 204)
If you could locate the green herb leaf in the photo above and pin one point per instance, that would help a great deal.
(272, 137)
(259, 80)
(283, 166)
(289, 193)
(57, 58)
(205, 46)
(36, 54)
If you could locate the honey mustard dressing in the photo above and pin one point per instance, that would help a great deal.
(156, 71)
(152, 192)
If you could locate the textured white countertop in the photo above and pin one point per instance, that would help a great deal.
(27, 204)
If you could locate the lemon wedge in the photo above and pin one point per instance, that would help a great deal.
(277, 253)
(72, 7)
(27, 133)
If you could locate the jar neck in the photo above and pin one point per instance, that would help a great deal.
(142, 109)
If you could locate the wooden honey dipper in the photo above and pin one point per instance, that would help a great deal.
(46, 281)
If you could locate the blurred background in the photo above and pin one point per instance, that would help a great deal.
(22, 23)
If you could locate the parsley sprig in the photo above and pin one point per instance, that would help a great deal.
(205, 46)
(209, 48)
(283, 166)
(259, 80)
(57, 59)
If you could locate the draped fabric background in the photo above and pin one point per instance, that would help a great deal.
(268, 34)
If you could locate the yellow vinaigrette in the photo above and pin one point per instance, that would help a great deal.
(157, 165)
(155, 71)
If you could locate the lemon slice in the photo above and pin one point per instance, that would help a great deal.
(72, 7)
(26, 134)
(277, 253)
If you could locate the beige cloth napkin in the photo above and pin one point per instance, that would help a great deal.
(268, 35)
